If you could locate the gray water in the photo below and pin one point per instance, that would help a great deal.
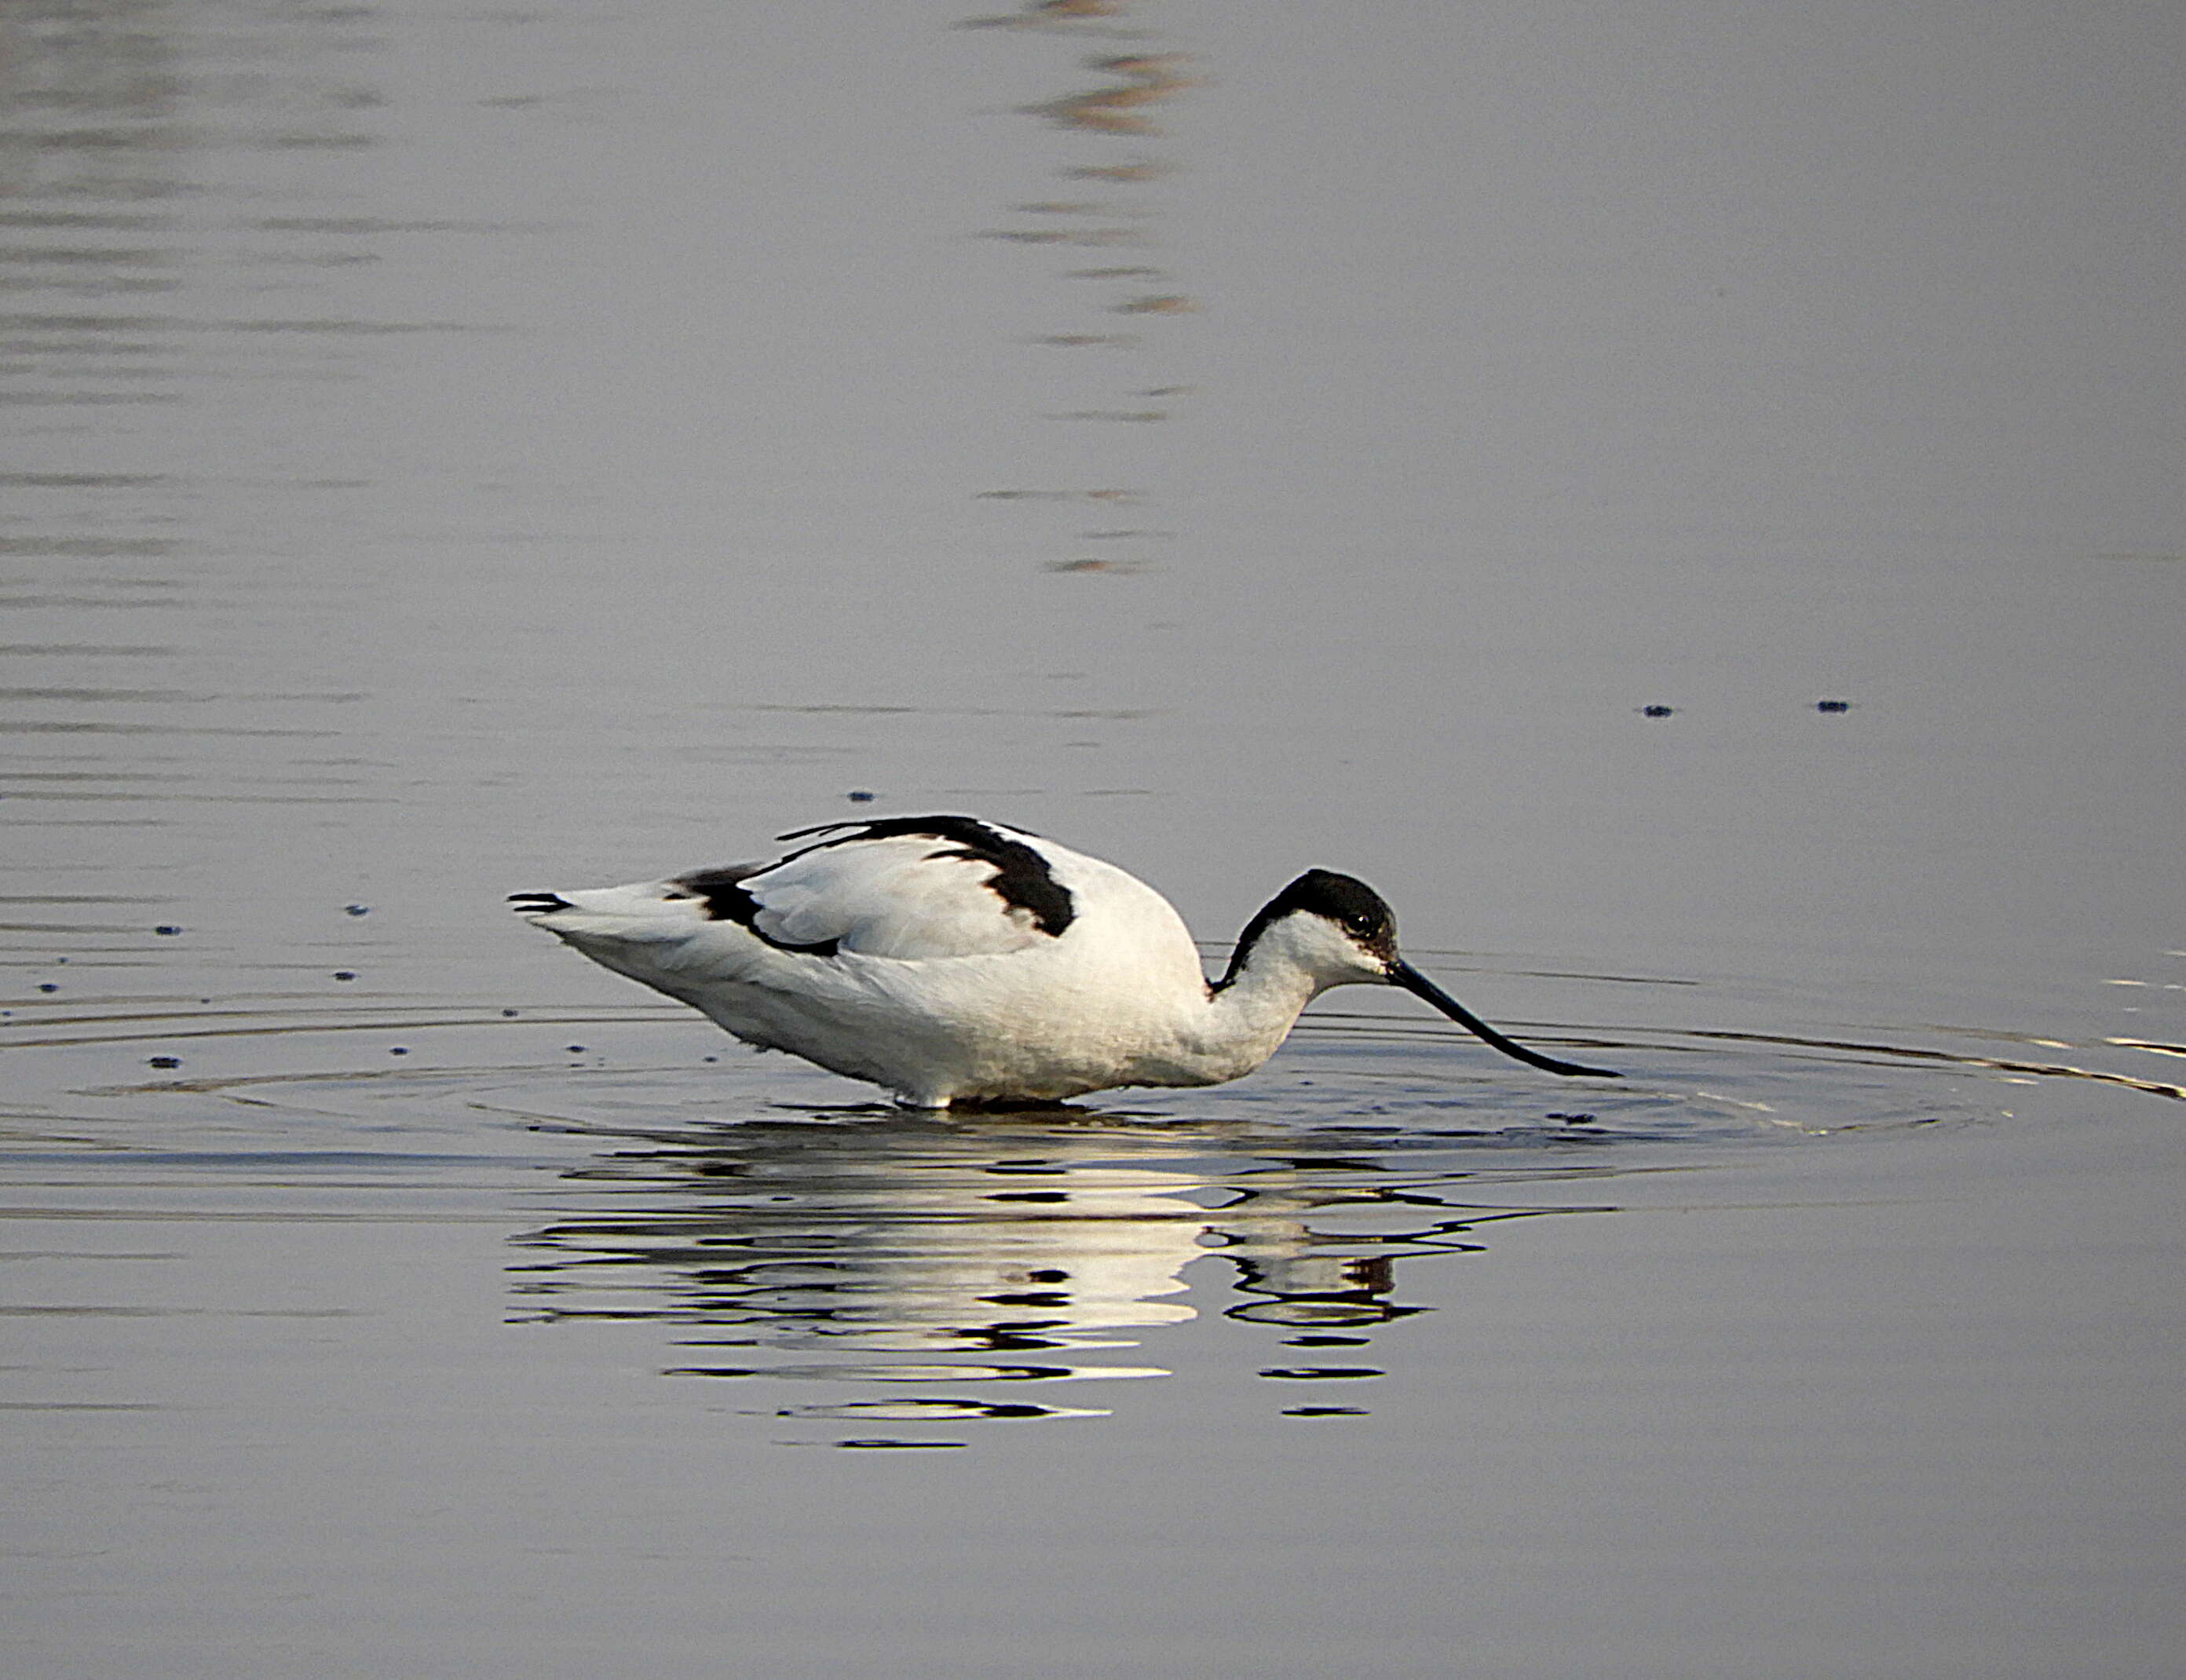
(450, 451)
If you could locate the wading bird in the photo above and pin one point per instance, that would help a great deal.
(955, 961)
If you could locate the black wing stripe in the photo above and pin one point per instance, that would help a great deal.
(1022, 878)
(727, 900)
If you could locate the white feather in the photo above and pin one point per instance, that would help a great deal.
(912, 897)
(968, 961)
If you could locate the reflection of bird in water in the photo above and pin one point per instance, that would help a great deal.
(896, 1235)
(1025, 1234)
(951, 960)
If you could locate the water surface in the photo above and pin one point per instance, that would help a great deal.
(1687, 506)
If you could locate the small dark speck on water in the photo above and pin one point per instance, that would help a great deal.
(574, 1049)
(167, 928)
(47, 986)
(357, 910)
(166, 1061)
(1572, 1119)
(1833, 705)
(1656, 711)
(860, 796)
(508, 1015)
(399, 1050)
(345, 974)
(713, 1058)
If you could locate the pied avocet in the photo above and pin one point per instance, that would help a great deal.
(952, 959)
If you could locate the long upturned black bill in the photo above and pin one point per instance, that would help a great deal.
(1403, 974)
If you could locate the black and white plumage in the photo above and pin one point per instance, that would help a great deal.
(953, 959)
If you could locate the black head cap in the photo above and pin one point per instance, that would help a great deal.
(1343, 899)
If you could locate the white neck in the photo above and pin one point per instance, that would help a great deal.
(1248, 1015)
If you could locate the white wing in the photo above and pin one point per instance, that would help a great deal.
(964, 890)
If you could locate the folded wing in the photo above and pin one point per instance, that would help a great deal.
(952, 887)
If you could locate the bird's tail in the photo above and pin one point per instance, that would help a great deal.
(643, 911)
